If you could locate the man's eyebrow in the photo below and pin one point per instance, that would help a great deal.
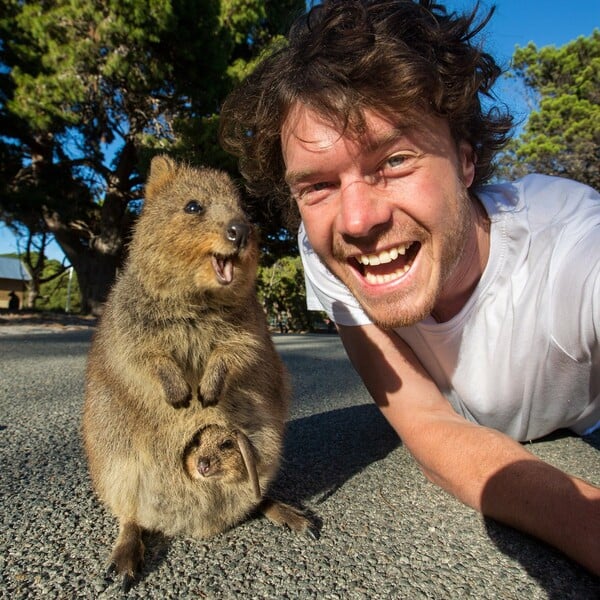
(294, 177)
(377, 142)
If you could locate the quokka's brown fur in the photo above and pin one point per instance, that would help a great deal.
(182, 344)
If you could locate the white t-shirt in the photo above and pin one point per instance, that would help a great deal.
(523, 354)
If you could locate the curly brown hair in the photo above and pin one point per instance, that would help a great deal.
(394, 57)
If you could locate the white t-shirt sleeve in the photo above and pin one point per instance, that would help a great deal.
(324, 291)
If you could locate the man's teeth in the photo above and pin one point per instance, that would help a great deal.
(387, 256)
(380, 279)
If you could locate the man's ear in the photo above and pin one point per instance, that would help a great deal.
(467, 160)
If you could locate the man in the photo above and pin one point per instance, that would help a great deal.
(13, 302)
(471, 313)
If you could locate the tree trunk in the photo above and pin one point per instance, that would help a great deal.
(96, 270)
(32, 293)
(96, 274)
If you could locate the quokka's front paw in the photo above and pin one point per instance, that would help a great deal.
(208, 398)
(212, 384)
(177, 391)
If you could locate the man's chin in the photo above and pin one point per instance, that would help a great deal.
(390, 311)
(389, 306)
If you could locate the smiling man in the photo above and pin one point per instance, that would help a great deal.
(389, 213)
(471, 311)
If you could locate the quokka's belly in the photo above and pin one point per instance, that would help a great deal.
(198, 509)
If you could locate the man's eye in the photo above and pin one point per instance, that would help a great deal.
(396, 161)
(311, 192)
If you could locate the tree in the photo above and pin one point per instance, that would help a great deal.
(90, 90)
(562, 135)
(37, 265)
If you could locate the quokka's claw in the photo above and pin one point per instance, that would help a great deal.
(127, 583)
(313, 532)
(285, 515)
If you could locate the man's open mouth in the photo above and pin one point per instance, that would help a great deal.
(387, 265)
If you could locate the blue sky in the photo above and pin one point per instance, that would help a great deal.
(515, 22)
(544, 22)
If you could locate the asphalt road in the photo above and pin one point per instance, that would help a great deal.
(386, 532)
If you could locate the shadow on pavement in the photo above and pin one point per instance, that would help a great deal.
(593, 439)
(549, 567)
(324, 451)
(42, 345)
(560, 577)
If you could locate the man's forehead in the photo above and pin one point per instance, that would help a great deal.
(310, 127)
(374, 132)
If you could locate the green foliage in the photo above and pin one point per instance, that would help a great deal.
(53, 293)
(562, 135)
(281, 290)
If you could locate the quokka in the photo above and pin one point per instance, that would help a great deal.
(183, 346)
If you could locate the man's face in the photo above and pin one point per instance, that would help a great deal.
(388, 213)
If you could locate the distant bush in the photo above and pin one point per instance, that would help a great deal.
(281, 290)
(53, 294)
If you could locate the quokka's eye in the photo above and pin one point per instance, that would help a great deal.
(193, 207)
(226, 445)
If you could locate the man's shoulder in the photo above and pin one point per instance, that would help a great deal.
(551, 189)
(542, 197)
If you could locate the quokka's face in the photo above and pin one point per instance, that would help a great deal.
(203, 231)
(215, 453)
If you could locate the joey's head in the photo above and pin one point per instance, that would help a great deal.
(221, 453)
(193, 236)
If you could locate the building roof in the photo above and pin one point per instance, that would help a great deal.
(13, 268)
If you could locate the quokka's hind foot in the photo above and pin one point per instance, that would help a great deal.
(285, 515)
(127, 556)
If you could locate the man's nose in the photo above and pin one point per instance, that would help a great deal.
(362, 209)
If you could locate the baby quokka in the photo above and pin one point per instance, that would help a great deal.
(183, 379)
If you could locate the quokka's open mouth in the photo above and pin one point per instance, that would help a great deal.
(223, 267)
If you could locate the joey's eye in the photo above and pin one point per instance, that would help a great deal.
(226, 445)
(193, 207)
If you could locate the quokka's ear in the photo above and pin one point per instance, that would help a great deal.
(162, 169)
(248, 455)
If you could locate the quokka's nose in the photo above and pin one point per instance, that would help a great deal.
(238, 232)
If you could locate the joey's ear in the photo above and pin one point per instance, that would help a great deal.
(162, 168)
(248, 455)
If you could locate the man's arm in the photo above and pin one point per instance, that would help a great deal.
(483, 468)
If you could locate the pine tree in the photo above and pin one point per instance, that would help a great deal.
(562, 135)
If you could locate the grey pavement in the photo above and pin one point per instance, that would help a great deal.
(386, 532)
